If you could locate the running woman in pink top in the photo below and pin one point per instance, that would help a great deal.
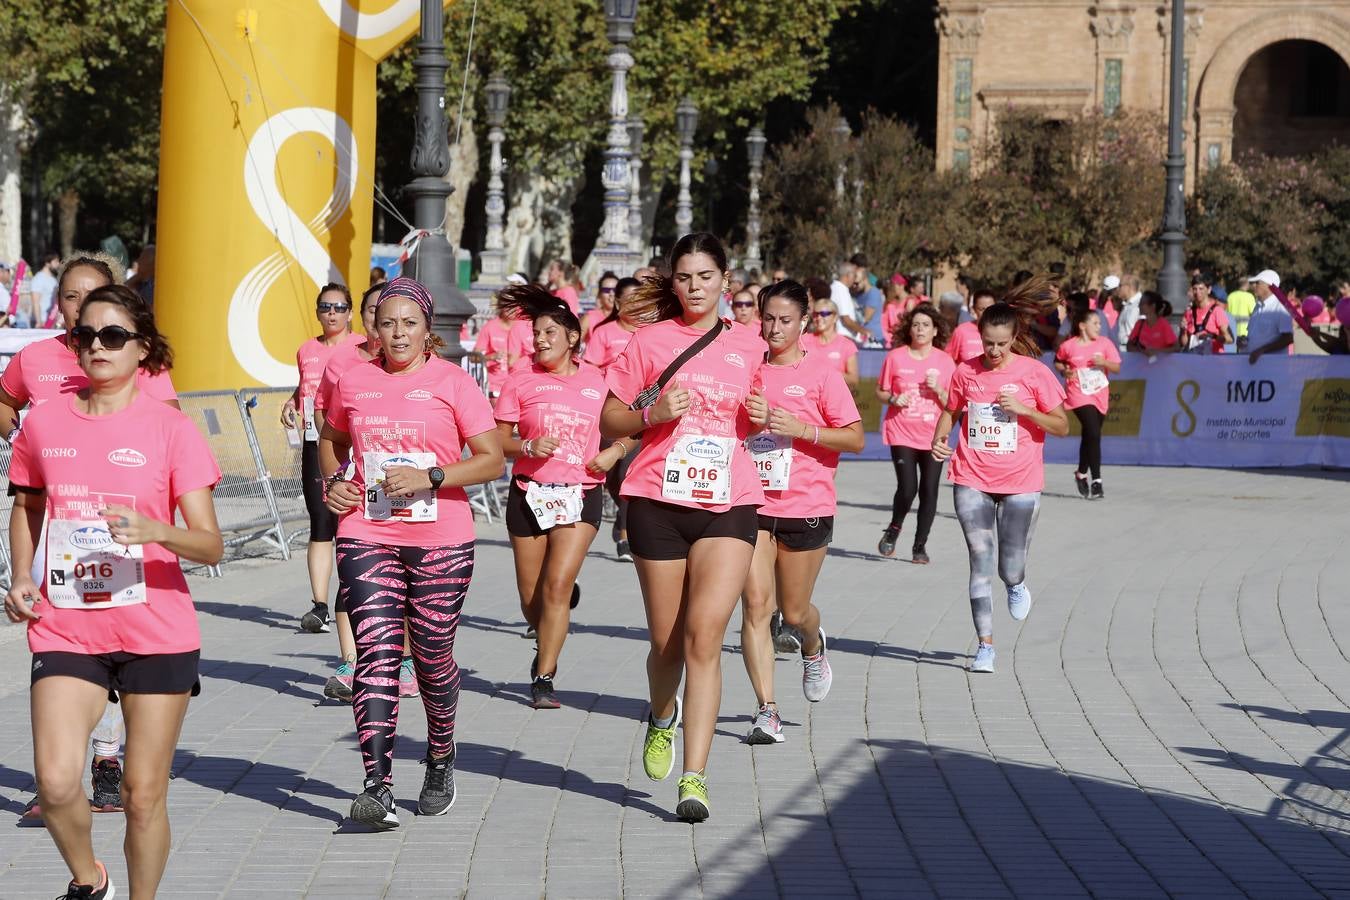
(549, 421)
(1085, 360)
(606, 343)
(101, 472)
(812, 419)
(831, 346)
(1008, 401)
(605, 294)
(694, 491)
(492, 345)
(965, 344)
(913, 385)
(333, 309)
(405, 542)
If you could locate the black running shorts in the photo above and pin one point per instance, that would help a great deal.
(520, 522)
(124, 673)
(799, 534)
(659, 530)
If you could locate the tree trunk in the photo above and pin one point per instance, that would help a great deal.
(538, 224)
(11, 192)
(69, 203)
(463, 170)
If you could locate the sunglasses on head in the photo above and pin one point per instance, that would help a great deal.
(112, 337)
(334, 307)
(823, 314)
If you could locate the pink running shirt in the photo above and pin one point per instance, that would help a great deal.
(1021, 471)
(312, 359)
(1078, 356)
(1157, 336)
(904, 373)
(719, 379)
(1211, 320)
(891, 315)
(343, 357)
(837, 352)
(494, 339)
(565, 407)
(436, 409)
(146, 456)
(965, 343)
(815, 392)
(520, 340)
(568, 295)
(593, 318)
(49, 368)
(605, 343)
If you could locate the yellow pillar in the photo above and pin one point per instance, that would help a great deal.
(266, 179)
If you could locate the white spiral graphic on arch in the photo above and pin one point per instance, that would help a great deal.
(363, 26)
(298, 239)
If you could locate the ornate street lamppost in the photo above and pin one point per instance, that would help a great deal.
(434, 262)
(1172, 278)
(636, 127)
(492, 261)
(613, 250)
(754, 151)
(686, 123)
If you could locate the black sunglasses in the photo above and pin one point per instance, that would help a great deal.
(742, 305)
(607, 290)
(334, 307)
(823, 314)
(112, 337)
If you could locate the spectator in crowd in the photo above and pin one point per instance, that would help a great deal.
(1129, 308)
(1239, 307)
(1342, 290)
(142, 281)
(1153, 334)
(849, 325)
(893, 310)
(1107, 302)
(950, 307)
(743, 309)
(41, 293)
(739, 279)
(867, 298)
(1204, 327)
(1271, 328)
(818, 288)
(378, 276)
(965, 286)
(779, 274)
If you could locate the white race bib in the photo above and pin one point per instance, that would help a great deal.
(554, 504)
(698, 468)
(772, 454)
(86, 569)
(990, 429)
(420, 507)
(311, 427)
(1091, 381)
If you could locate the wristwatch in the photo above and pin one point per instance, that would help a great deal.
(436, 475)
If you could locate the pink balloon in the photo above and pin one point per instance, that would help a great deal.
(1313, 306)
(1343, 310)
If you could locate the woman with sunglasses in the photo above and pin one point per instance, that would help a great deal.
(693, 492)
(604, 305)
(744, 311)
(548, 420)
(405, 541)
(812, 419)
(46, 370)
(333, 308)
(828, 344)
(101, 473)
(607, 341)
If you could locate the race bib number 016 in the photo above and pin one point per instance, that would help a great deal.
(772, 454)
(554, 504)
(698, 468)
(380, 507)
(990, 429)
(87, 569)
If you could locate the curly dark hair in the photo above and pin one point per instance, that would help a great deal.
(900, 337)
(160, 355)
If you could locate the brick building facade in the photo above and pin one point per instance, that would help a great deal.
(1267, 76)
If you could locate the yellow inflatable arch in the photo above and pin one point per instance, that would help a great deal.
(266, 185)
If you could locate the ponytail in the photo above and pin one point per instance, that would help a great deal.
(1035, 296)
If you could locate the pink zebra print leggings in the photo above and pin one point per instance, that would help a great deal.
(386, 582)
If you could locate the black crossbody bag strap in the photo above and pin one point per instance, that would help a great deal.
(650, 394)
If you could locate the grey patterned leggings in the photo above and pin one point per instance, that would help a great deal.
(1013, 516)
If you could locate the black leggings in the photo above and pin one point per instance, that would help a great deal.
(322, 522)
(1090, 448)
(917, 474)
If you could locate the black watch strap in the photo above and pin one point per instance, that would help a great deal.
(437, 476)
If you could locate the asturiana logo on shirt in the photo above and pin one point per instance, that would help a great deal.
(1010, 388)
(418, 394)
(734, 359)
(795, 390)
(705, 449)
(590, 393)
(397, 461)
(90, 538)
(127, 457)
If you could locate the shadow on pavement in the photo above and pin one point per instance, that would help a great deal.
(248, 612)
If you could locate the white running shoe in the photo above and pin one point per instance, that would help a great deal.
(816, 674)
(767, 727)
(984, 659)
(1019, 601)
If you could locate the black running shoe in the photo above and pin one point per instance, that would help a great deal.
(316, 621)
(886, 546)
(623, 551)
(1081, 482)
(438, 786)
(374, 806)
(542, 695)
(920, 555)
(105, 891)
(576, 595)
(107, 786)
(1097, 492)
(531, 634)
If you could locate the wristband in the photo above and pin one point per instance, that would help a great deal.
(647, 416)
(9, 438)
(816, 439)
(526, 448)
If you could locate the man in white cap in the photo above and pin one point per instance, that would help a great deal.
(1270, 328)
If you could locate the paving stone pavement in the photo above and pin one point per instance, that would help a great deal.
(1171, 720)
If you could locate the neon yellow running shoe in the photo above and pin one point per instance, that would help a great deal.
(658, 752)
(693, 805)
